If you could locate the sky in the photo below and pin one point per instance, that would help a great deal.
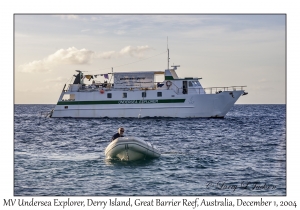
(224, 50)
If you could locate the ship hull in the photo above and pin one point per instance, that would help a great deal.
(182, 106)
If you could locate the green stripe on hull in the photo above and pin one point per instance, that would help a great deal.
(152, 101)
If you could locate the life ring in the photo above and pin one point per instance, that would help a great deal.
(101, 91)
(168, 83)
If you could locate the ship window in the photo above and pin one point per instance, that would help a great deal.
(159, 94)
(144, 94)
(196, 83)
(66, 107)
(68, 97)
(124, 95)
(190, 84)
(109, 95)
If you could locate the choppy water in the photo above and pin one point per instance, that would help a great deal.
(207, 157)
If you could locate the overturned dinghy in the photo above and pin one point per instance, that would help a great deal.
(130, 149)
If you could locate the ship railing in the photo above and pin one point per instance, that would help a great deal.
(190, 90)
(210, 90)
(87, 87)
(216, 90)
(177, 90)
(108, 86)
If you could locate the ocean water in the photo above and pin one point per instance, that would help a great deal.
(242, 154)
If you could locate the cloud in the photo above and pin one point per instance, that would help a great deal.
(137, 52)
(74, 56)
(71, 55)
(35, 66)
(107, 55)
(134, 51)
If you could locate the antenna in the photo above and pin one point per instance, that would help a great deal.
(168, 52)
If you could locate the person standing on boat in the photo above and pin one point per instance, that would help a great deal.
(119, 134)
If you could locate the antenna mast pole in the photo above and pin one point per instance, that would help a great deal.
(168, 52)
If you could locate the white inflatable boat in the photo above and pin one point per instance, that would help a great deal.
(130, 148)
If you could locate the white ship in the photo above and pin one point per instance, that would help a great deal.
(138, 95)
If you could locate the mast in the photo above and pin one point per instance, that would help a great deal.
(168, 53)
